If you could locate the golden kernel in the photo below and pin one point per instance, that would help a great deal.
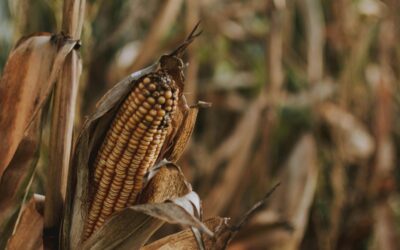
(142, 110)
(161, 100)
(153, 112)
(149, 118)
(146, 105)
(168, 94)
(146, 80)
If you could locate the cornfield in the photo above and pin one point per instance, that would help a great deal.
(200, 124)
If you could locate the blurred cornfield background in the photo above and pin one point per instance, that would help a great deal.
(303, 92)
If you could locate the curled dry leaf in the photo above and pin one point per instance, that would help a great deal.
(353, 138)
(28, 234)
(27, 80)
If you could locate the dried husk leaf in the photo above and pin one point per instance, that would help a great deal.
(28, 234)
(180, 131)
(181, 139)
(167, 183)
(87, 144)
(132, 227)
(27, 80)
(186, 240)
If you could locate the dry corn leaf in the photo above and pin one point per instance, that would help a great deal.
(28, 77)
(186, 240)
(16, 179)
(354, 141)
(28, 234)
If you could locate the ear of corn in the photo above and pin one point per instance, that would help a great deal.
(131, 146)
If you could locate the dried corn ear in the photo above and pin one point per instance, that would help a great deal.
(131, 146)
